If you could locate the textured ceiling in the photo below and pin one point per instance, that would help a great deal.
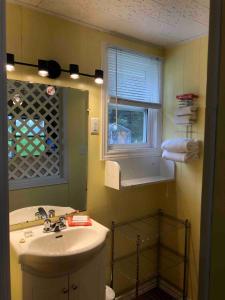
(163, 22)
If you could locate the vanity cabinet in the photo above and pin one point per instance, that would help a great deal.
(86, 283)
(66, 265)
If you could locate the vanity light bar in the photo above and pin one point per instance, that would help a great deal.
(52, 69)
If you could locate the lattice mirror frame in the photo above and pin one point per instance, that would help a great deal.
(36, 139)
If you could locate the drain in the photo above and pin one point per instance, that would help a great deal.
(59, 236)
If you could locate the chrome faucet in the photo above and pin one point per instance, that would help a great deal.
(55, 227)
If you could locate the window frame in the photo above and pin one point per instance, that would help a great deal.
(19, 184)
(132, 150)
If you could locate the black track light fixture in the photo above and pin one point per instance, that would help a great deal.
(43, 68)
(52, 69)
(74, 71)
(99, 74)
(49, 68)
(10, 65)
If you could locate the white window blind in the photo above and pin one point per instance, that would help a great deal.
(133, 77)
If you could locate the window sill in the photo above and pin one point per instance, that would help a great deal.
(130, 172)
(144, 181)
(137, 152)
(35, 183)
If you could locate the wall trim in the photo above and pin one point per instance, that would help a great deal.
(4, 197)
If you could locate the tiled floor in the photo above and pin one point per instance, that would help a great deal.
(156, 294)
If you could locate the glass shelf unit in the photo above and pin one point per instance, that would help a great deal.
(154, 247)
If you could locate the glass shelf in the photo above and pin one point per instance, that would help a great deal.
(131, 231)
(127, 266)
(148, 229)
(143, 251)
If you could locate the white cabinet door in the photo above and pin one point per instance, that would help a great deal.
(89, 282)
(75, 292)
(37, 288)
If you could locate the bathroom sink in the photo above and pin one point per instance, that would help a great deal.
(56, 253)
(64, 243)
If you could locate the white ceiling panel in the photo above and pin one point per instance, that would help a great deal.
(164, 22)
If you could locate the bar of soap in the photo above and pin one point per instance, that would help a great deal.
(80, 218)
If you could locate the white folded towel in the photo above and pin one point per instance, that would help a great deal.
(184, 111)
(182, 120)
(180, 157)
(181, 145)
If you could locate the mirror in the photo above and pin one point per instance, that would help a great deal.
(48, 145)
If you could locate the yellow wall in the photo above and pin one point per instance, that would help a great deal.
(185, 72)
(32, 35)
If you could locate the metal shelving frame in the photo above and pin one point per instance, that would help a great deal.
(181, 293)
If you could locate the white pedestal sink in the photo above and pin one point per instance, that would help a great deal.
(65, 265)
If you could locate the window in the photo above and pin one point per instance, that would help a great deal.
(133, 98)
(127, 125)
(35, 135)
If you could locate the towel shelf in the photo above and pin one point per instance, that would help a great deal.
(130, 172)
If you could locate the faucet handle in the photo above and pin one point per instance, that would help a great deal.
(37, 216)
(62, 221)
(42, 213)
(51, 213)
(47, 225)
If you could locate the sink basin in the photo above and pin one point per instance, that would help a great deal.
(57, 253)
(64, 243)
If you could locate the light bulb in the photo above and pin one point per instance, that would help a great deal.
(99, 74)
(10, 65)
(74, 71)
(10, 68)
(43, 68)
(99, 80)
(74, 76)
(43, 73)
